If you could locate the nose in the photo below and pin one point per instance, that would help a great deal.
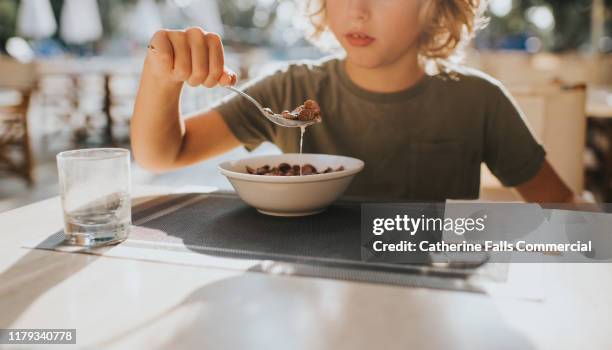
(359, 9)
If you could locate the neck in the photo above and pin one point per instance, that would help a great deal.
(397, 76)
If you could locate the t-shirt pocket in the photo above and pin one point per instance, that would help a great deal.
(437, 170)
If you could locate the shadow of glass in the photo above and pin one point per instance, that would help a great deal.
(37, 272)
(33, 274)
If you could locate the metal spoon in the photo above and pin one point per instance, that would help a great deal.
(275, 118)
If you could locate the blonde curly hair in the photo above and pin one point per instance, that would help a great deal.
(446, 27)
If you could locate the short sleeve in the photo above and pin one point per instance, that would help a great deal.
(511, 151)
(244, 119)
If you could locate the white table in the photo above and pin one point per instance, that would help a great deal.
(132, 304)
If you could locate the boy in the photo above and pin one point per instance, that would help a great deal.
(422, 136)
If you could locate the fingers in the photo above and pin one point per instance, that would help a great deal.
(228, 78)
(217, 59)
(163, 57)
(199, 56)
(181, 70)
(193, 56)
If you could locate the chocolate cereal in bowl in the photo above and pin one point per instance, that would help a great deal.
(291, 184)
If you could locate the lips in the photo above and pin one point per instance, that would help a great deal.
(359, 39)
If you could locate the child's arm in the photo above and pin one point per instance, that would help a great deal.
(161, 140)
(546, 187)
(513, 154)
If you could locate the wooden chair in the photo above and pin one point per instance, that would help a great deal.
(18, 80)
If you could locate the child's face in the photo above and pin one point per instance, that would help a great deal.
(375, 33)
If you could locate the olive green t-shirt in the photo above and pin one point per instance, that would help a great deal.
(424, 143)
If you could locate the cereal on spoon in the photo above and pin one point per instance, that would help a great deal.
(309, 111)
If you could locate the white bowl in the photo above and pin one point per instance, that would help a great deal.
(291, 195)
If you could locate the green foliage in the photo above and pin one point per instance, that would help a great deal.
(572, 23)
(8, 15)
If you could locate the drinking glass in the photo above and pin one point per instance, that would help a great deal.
(95, 192)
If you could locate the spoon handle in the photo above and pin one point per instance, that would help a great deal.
(245, 95)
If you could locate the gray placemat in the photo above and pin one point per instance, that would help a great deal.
(325, 245)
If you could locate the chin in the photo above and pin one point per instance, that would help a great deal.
(365, 61)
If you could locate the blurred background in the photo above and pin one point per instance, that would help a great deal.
(69, 71)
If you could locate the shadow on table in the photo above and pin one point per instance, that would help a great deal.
(37, 272)
(279, 310)
(34, 274)
(256, 312)
(327, 245)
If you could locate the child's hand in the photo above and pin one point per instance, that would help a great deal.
(192, 55)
